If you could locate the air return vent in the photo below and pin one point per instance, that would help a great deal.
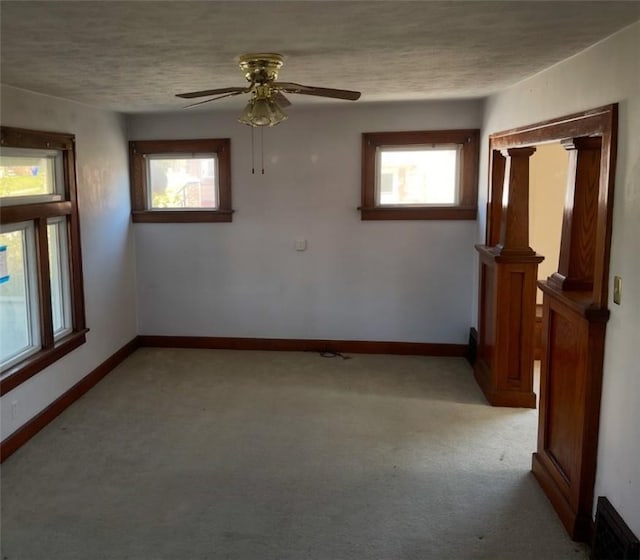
(613, 540)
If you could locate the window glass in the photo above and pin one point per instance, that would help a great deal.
(31, 173)
(417, 175)
(184, 182)
(18, 317)
(59, 277)
(41, 296)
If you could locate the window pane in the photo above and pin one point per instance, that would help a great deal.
(59, 275)
(25, 173)
(18, 319)
(183, 182)
(420, 176)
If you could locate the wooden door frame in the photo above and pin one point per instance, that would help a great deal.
(575, 309)
(602, 122)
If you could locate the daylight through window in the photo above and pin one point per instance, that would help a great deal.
(41, 299)
(420, 175)
(181, 180)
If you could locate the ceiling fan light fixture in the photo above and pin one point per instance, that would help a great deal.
(268, 99)
(262, 111)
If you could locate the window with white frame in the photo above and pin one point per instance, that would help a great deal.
(41, 299)
(420, 175)
(181, 180)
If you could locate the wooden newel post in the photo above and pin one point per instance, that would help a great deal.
(504, 368)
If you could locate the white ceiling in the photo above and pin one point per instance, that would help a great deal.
(134, 56)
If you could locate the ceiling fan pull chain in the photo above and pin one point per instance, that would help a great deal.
(253, 169)
(262, 147)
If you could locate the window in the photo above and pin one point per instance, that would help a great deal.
(181, 180)
(422, 175)
(41, 297)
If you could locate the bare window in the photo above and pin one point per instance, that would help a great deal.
(420, 175)
(41, 294)
(181, 180)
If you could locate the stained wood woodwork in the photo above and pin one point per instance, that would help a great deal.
(603, 123)
(577, 247)
(27, 368)
(570, 387)
(537, 344)
(44, 284)
(504, 368)
(140, 149)
(508, 277)
(575, 309)
(496, 184)
(514, 223)
(26, 212)
(467, 207)
(38, 213)
(306, 345)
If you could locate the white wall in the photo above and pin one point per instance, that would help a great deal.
(106, 237)
(608, 72)
(393, 280)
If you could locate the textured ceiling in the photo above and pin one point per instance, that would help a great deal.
(133, 56)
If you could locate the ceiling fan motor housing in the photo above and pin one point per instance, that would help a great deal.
(260, 68)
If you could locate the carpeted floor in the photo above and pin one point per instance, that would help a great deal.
(205, 454)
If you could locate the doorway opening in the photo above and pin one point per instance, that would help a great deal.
(548, 170)
(574, 301)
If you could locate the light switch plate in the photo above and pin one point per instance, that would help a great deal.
(617, 289)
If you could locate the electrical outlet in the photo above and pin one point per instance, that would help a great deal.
(617, 289)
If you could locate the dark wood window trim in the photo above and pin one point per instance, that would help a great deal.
(468, 206)
(51, 350)
(140, 149)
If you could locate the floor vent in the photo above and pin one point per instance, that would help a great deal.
(612, 540)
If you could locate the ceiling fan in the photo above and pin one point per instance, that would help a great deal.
(267, 94)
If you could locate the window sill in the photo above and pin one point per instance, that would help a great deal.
(181, 216)
(19, 373)
(419, 213)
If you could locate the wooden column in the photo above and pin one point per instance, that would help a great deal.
(504, 368)
(578, 245)
(574, 321)
(514, 225)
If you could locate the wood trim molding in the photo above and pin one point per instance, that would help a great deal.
(181, 216)
(306, 345)
(17, 439)
(140, 149)
(38, 140)
(25, 212)
(28, 368)
(465, 209)
(590, 122)
(575, 310)
(419, 213)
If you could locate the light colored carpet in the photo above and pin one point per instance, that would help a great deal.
(204, 454)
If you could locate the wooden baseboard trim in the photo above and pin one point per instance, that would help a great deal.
(23, 434)
(306, 345)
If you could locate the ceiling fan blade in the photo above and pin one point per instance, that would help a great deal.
(207, 92)
(291, 87)
(214, 98)
(280, 99)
